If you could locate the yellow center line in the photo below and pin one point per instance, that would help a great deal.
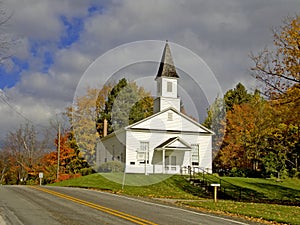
(120, 214)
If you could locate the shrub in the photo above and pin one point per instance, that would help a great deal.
(87, 171)
(112, 166)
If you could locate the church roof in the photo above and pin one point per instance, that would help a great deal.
(166, 67)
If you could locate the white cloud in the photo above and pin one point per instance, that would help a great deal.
(221, 32)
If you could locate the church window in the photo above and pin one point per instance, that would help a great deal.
(144, 146)
(195, 154)
(143, 153)
(169, 86)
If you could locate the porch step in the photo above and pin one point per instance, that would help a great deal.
(201, 184)
(197, 182)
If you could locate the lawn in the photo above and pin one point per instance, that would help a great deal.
(177, 187)
(287, 190)
(270, 212)
(159, 186)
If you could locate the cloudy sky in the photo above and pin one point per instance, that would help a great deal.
(53, 43)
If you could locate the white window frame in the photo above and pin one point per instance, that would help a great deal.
(143, 153)
(195, 157)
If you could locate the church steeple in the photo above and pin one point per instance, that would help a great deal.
(166, 79)
(166, 67)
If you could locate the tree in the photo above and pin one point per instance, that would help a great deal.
(216, 116)
(126, 103)
(216, 121)
(82, 116)
(236, 96)
(101, 102)
(280, 69)
(259, 138)
(105, 112)
(245, 141)
(143, 108)
(70, 160)
(22, 152)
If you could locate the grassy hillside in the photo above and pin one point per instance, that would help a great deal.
(168, 187)
(285, 191)
(177, 187)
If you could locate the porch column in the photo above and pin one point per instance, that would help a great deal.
(163, 161)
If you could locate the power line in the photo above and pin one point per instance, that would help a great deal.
(4, 98)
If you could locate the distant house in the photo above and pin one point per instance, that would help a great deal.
(167, 142)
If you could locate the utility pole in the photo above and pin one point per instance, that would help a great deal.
(58, 151)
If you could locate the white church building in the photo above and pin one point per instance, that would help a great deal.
(168, 142)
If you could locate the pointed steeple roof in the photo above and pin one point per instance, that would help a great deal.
(166, 67)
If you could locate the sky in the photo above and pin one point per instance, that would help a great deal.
(52, 43)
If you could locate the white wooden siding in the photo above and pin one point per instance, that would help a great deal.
(160, 122)
(134, 138)
(111, 149)
(163, 82)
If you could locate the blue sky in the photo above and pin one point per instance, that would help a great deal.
(55, 41)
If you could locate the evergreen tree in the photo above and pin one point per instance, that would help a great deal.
(126, 104)
(236, 96)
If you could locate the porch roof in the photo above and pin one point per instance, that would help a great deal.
(174, 143)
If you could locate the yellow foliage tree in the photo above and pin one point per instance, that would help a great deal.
(279, 70)
(82, 116)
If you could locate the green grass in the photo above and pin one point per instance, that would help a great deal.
(270, 189)
(285, 191)
(271, 212)
(177, 187)
(160, 186)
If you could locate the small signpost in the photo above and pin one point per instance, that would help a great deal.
(41, 175)
(215, 191)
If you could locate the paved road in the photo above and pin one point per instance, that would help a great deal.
(59, 205)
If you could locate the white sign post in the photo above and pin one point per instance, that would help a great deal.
(215, 191)
(41, 175)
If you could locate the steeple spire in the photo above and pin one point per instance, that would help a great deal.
(166, 67)
(167, 79)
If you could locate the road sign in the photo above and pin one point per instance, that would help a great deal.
(41, 175)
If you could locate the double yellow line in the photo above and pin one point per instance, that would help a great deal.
(110, 211)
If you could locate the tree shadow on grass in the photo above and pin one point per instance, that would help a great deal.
(274, 193)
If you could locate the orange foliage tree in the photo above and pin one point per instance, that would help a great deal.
(70, 160)
(245, 141)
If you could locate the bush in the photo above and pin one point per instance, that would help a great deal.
(112, 166)
(244, 172)
(87, 171)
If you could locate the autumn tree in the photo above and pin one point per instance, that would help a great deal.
(70, 159)
(245, 141)
(216, 116)
(22, 151)
(279, 69)
(126, 103)
(82, 116)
